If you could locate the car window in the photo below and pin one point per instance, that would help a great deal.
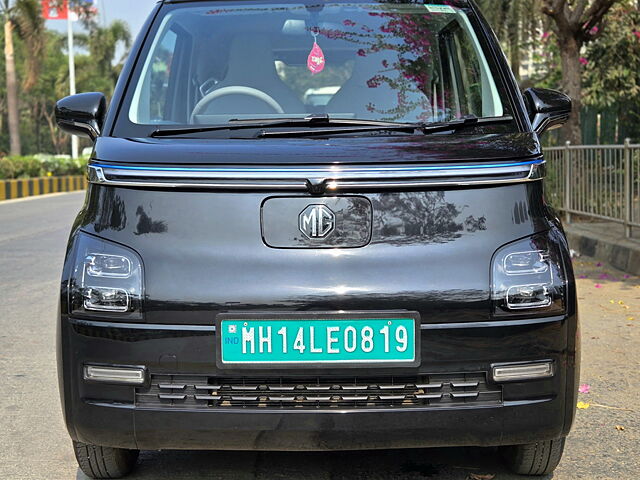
(209, 63)
(159, 77)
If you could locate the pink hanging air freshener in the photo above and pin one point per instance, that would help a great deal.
(315, 62)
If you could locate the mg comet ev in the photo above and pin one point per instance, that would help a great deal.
(316, 226)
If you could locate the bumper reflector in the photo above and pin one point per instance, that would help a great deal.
(529, 371)
(128, 375)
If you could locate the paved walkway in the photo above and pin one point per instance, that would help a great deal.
(607, 241)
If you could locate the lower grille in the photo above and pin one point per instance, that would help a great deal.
(203, 392)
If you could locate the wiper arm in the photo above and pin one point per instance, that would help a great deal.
(425, 128)
(171, 132)
(309, 121)
(462, 123)
(400, 127)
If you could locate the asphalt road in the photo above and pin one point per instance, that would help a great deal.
(35, 445)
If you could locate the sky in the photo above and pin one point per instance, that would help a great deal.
(134, 12)
(124, 10)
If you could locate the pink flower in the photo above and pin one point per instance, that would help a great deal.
(597, 285)
(374, 82)
(584, 61)
(584, 388)
(546, 35)
(636, 33)
(594, 30)
(598, 264)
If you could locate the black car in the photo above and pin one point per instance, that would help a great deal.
(316, 226)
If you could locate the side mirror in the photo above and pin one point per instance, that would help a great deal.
(548, 109)
(82, 114)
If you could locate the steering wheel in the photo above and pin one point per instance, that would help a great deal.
(235, 90)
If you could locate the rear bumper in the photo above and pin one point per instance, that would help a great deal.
(520, 422)
(109, 415)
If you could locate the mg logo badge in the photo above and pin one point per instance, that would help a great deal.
(317, 221)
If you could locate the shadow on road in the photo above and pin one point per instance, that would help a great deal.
(438, 463)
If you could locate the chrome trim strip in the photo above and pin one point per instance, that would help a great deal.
(212, 328)
(303, 178)
(142, 326)
(329, 411)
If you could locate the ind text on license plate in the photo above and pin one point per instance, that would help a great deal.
(327, 340)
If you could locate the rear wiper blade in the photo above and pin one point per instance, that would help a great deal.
(465, 122)
(400, 127)
(314, 120)
(425, 128)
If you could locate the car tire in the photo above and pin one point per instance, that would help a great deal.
(104, 462)
(540, 458)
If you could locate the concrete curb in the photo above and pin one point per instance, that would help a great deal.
(27, 187)
(622, 253)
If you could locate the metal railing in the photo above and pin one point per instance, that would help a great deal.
(600, 182)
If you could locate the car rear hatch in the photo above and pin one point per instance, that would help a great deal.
(420, 238)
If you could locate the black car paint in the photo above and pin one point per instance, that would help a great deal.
(336, 151)
(84, 114)
(553, 108)
(205, 253)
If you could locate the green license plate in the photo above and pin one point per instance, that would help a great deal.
(318, 339)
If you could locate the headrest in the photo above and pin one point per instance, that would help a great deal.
(251, 55)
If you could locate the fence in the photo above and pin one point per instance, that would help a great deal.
(599, 182)
(26, 187)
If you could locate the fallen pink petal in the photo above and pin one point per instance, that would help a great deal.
(597, 285)
(584, 388)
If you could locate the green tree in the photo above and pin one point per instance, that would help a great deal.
(52, 84)
(30, 27)
(11, 78)
(103, 43)
(612, 74)
(576, 24)
(24, 18)
(97, 70)
(517, 25)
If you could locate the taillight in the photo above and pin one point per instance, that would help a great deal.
(528, 277)
(106, 281)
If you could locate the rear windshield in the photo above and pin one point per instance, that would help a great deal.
(207, 63)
